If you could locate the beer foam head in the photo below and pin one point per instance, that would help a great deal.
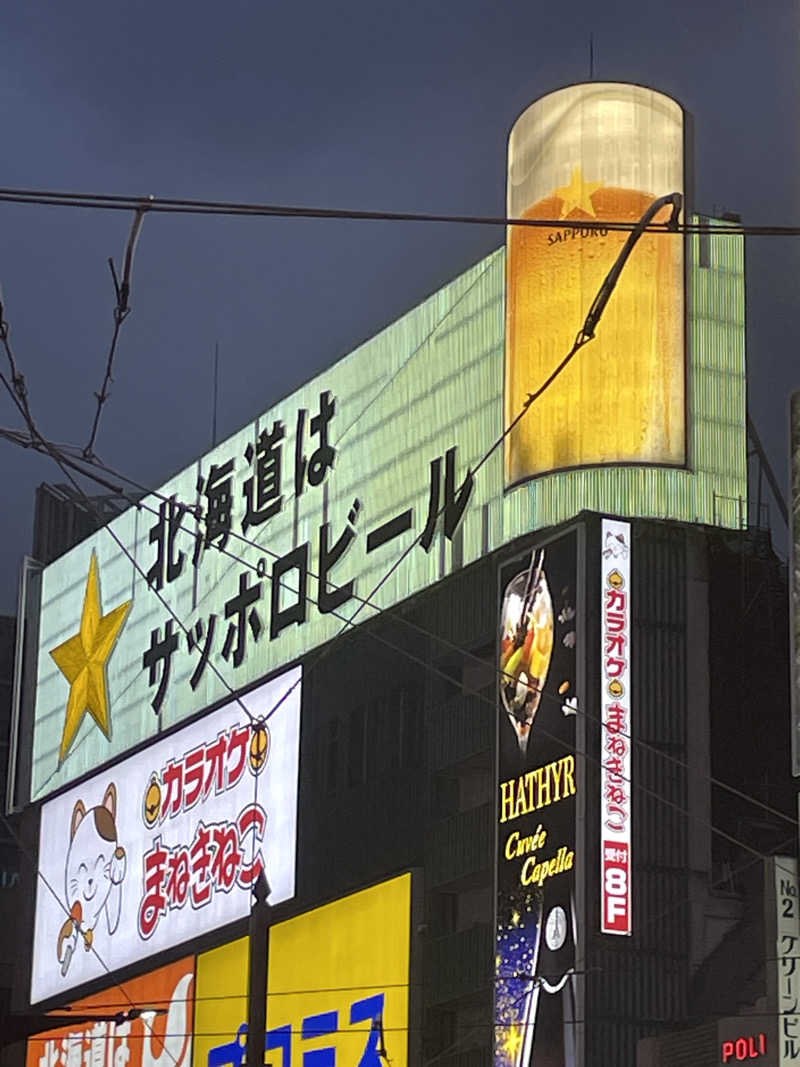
(619, 135)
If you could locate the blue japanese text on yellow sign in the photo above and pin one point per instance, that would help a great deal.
(338, 987)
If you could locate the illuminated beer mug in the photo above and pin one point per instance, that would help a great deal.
(598, 152)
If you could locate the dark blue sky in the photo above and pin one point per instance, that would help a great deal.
(396, 106)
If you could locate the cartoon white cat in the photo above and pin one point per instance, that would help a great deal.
(93, 875)
(615, 547)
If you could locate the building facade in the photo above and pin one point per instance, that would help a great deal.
(460, 696)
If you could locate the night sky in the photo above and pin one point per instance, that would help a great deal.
(378, 106)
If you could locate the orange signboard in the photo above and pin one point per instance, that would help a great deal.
(161, 1041)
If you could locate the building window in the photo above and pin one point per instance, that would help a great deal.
(331, 762)
(409, 719)
(356, 748)
(378, 737)
(445, 795)
(442, 1030)
(445, 913)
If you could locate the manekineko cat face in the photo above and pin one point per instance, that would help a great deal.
(93, 875)
(91, 849)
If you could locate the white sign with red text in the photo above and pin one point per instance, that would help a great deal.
(615, 754)
(166, 845)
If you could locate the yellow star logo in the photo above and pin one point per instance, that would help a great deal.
(577, 195)
(83, 658)
(513, 1041)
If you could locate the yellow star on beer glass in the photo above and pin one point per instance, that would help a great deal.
(577, 195)
(513, 1041)
(82, 660)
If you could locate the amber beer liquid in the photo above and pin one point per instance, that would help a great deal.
(622, 398)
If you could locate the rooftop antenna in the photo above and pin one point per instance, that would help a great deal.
(216, 391)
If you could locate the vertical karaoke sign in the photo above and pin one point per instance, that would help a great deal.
(615, 757)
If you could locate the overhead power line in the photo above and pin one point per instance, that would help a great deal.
(121, 312)
(753, 852)
(585, 334)
(140, 205)
(401, 619)
(183, 206)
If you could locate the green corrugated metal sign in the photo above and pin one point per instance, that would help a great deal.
(140, 629)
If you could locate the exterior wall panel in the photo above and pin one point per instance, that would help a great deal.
(430, 381)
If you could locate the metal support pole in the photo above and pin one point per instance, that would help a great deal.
(259, 961)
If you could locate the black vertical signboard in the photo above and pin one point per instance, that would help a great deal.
(536, 919)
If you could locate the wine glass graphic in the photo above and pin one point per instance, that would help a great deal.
(517, 993)
(526, 645)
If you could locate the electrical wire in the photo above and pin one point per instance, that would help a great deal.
(4, 337)
(121, 312)
(584, 335)
(639, 785)
(758, 857)
(492, 1026)
(469, 1031)
(399, 618)
(48, 885)
(597, 762)
(366, 602)
(183, 206)
(415, 352)
(350, 621)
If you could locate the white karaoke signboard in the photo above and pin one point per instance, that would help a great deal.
(167, 845)
(615, 755)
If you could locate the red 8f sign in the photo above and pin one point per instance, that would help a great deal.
(616, 896)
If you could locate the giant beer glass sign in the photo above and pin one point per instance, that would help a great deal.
(594, 153)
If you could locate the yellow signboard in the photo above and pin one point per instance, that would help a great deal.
(594, 153)
(338, 986)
